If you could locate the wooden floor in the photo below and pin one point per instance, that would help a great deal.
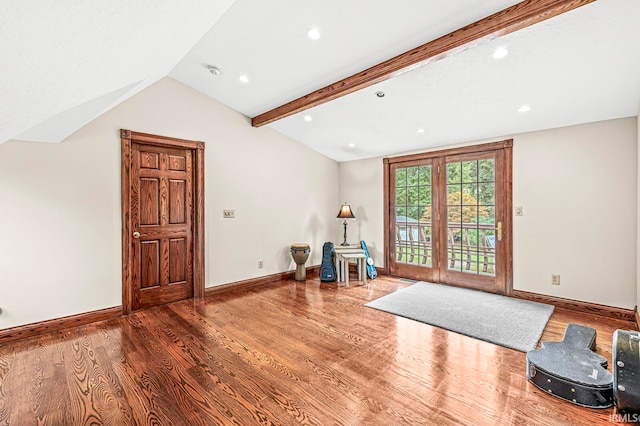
(284, 353)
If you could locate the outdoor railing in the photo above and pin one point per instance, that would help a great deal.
(413, 240)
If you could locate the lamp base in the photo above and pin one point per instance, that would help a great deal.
(345, 243)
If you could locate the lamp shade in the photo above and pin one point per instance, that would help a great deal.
(345, 212)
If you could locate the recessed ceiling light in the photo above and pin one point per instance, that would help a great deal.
(421, 130)
(524, 108)
(308, 118)
(243, 78)
(500, 52)
(352, 145)
(380, 94)
(313, 33)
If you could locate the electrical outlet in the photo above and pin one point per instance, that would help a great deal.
(260, 264)
(555, 279)
(519, 211)
(228, 214)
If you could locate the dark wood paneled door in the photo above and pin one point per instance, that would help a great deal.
(448, 217)
(161, 223)
(161, 213)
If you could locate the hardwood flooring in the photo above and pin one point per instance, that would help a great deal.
(284, 353)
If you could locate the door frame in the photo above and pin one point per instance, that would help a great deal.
(506, 180)
(127, 138)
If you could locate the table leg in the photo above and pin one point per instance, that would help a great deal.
(364, 271)
(345, 265)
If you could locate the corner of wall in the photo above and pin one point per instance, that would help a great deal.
(638, 220)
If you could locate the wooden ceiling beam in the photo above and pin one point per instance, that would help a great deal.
(516, 17)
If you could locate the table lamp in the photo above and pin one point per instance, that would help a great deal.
(345, 213)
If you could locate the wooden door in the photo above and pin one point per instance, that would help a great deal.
(160, 259)
(473, 231)
(448, 217)
(414, 233)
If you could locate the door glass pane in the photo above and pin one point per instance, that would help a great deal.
(469, 171)
(401, 196)
(413, 215)
(486, 194)
(453, 173)
(471, 217)
(486, 171)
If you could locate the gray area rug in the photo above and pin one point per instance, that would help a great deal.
(505, 321)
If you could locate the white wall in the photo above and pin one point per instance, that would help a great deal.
(578, 187)
(638, 221)
(361, 185)
(60, 216)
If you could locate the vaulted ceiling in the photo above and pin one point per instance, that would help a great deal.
(66, 62)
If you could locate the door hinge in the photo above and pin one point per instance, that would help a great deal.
(438, 169)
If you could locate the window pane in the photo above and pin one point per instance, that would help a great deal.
(454, 248)
(413, 212)
(454, 173)
(454, 214)
(454, 189)
(470, 194)
(487, 215)
(486, 194)
(424, 195)
(424, 175)
(486, 171)
(426, 214)
(412, 176)
(401, 196)
(489, 238)
(412, 195)
(470, 171)
(472, 235)
(470, 214)
(401, 177)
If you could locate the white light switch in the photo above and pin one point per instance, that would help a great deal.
(519, 211)
(228, 214)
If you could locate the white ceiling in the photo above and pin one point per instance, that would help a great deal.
(579, 67)
(267, 41)
(64, 62)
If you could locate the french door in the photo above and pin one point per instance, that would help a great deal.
(448, 216)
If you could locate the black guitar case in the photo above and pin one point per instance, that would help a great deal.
(371, 269)
(328, 267)
(571, 370)
(626, 370)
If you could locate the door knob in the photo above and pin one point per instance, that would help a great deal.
(136, 235)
